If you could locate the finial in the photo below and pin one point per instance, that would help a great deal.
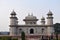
(31, 14)
(49, 10)
(42, 17)
(13, 10)
(28, 14)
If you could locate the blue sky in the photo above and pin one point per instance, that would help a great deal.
(39, 8)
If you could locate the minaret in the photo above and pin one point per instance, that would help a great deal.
(13, 23)
(42, 21)
(50, 28)
(50, 18)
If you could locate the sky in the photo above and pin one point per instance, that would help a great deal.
(22, 8)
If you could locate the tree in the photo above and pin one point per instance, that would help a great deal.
(57, 29)
(22, 35)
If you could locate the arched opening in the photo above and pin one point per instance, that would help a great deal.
(42, 30)
(31, 31)
(20, 30)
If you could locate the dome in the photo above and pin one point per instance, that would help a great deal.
(49, 13)
(13, 13)
(30, 17)
(42, 18)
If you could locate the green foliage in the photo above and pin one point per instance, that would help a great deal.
(14, 39)
(57, 28)
(7, 38)
(55, 39)
(4, 38)
(22, 35)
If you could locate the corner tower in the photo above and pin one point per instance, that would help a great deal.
(50, 28)
(13, 23)
(42, 21)
(49, 18)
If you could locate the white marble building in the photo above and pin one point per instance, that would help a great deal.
(32, 30)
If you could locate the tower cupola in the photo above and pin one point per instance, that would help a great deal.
(42, 18)
(50, 18)
(13, 13)
(50, 14)
(42, 21)
(13, 18)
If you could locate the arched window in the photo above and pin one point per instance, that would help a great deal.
(20, 30)
(42, 30)
(31, 31)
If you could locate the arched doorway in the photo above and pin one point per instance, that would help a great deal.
(31, 31)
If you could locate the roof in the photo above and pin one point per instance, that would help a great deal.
(30, 18)
(50, 13)
(42, 18)
(30, 25)
(13, 13)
